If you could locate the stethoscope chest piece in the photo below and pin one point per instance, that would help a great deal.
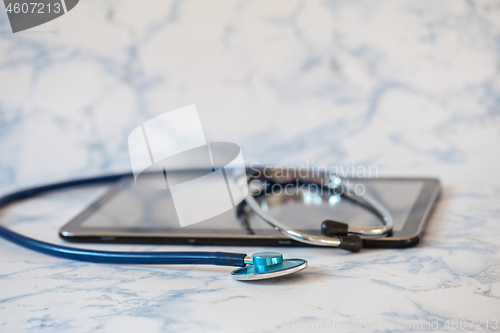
(267, 265)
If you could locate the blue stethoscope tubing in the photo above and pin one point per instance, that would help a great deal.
(110, 257)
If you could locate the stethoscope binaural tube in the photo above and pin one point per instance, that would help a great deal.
(260, 266)
(338, 234)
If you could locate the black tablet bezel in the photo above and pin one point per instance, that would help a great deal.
(409, 236)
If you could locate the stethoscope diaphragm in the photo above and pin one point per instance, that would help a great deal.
(268, 265)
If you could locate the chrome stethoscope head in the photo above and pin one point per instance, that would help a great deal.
(267, 265)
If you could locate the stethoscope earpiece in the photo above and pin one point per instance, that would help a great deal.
(351, 243)
(333, 228)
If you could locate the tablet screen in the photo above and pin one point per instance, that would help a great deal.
(130, 207)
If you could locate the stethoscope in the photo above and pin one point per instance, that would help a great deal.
(262, 265)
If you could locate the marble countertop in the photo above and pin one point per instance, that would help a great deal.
(412, 88)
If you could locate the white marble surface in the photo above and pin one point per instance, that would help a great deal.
(411, 87)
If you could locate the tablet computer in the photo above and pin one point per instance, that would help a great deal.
(127, 213)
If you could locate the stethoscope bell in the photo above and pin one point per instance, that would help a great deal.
(267, 265)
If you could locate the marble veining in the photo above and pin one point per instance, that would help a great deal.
(411, 87)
